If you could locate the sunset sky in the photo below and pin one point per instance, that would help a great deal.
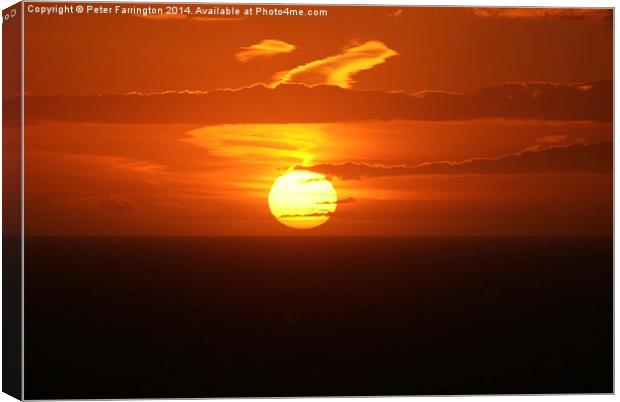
(427, 121)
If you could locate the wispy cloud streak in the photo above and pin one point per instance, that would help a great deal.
(263, 49)
(339, 69)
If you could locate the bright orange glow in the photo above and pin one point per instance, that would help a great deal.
(419, 137)
(302, 200)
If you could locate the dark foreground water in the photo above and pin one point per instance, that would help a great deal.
(208, 317)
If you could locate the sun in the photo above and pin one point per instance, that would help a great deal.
(301, 199)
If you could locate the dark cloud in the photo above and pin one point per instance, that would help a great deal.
(577, 158)
(302, 104)
(309, 215)
(347, 200)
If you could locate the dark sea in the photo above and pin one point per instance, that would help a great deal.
(132, 317)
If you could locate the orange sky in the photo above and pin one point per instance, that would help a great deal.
(429, 121)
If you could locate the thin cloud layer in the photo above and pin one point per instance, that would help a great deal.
(186, 17)
(555, 140)
(303, 104)
(545, 13)
(263, 49)
(578, 158)
(113, 203)
(337, 70)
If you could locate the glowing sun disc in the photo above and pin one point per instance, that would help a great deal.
(301, 199)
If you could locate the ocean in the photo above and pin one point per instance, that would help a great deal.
(129, 317)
